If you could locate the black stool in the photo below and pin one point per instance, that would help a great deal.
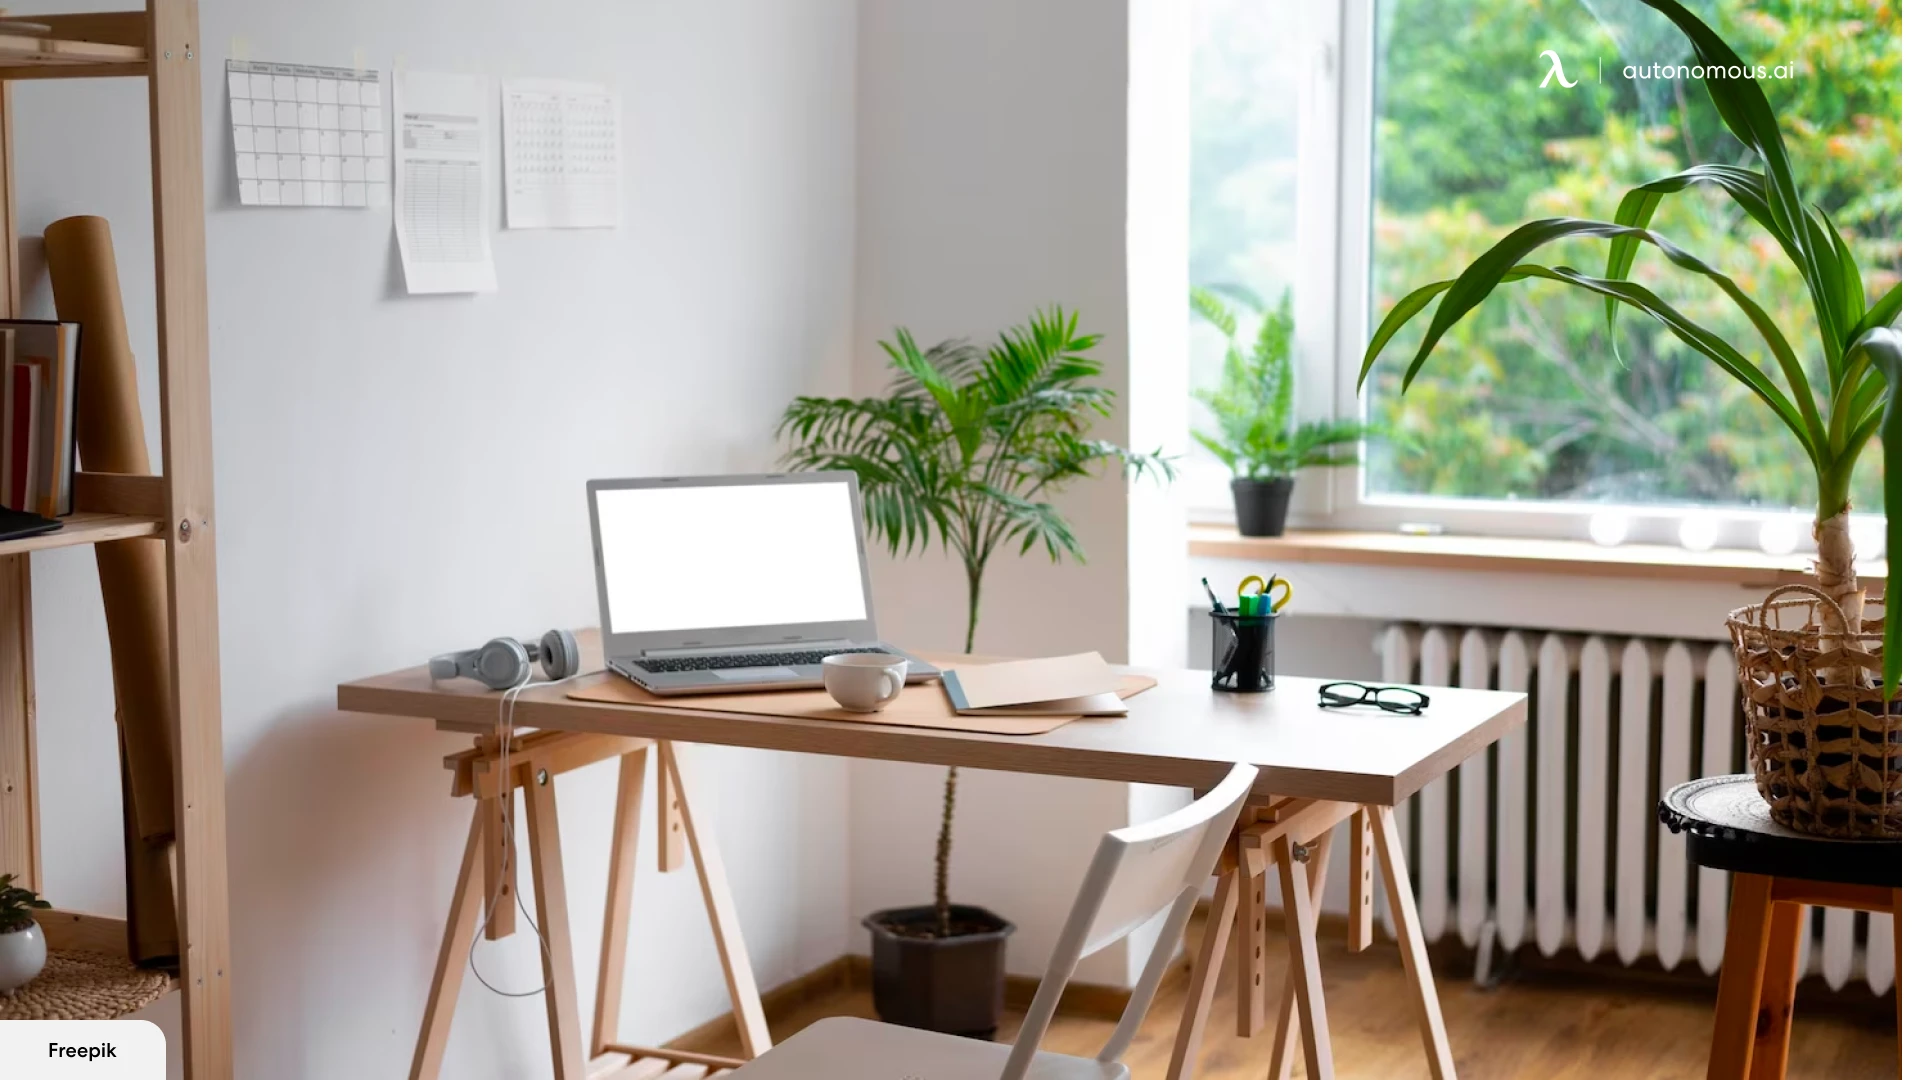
(1776, 873)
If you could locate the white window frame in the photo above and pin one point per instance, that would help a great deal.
(1335, 219)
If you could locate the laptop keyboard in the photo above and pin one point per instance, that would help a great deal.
(742, 660)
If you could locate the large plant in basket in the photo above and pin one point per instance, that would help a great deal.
(1820, 668)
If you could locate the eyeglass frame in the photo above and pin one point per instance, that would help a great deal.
(1370, 695)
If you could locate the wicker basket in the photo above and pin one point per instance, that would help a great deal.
(1823, 742)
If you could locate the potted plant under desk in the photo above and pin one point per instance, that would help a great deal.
(1255, 435)
(1819, 667)
(964, 451)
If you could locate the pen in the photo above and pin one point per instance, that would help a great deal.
(1217, 605)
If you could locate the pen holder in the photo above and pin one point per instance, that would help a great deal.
(1243, 652)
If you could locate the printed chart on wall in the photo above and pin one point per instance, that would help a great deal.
(440, 182)
(562, 144)
(307, 136)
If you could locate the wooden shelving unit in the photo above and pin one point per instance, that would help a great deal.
(162, 45)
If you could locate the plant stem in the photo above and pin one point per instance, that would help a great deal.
(943, 849)
(1833, 559)
(974, 571)
(942, 854)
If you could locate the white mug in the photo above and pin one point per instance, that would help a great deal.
(864, 682)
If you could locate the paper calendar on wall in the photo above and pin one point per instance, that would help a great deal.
(562, 142)
(308, 136)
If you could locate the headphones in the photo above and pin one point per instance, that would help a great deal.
(505, 662)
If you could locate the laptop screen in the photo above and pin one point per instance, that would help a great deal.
(693, 558)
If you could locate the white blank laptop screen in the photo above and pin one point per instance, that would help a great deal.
(689, 558)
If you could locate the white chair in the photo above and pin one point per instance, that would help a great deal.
(1137, 873)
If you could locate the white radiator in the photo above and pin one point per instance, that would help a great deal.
(1549, 837)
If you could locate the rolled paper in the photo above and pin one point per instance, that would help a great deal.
(153, 926)
(112, 438)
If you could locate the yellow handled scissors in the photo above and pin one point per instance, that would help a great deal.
(1265, 587)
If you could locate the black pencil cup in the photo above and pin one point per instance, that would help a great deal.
(1243, 652)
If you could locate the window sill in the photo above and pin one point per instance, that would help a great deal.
(1573, 558)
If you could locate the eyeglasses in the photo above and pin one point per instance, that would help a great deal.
(1394, 699)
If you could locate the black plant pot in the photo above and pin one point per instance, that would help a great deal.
(1260, 506)
(952, 984)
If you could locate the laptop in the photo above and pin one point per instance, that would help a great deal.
(722, 584)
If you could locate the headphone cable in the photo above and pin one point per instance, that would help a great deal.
(503, 732)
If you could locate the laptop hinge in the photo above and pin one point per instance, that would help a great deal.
(722, 650)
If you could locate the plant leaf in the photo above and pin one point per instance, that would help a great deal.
(1746, 187)
(1491, 269)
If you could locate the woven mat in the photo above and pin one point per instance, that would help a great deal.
(84, 986)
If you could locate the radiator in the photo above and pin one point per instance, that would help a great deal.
(1549, 837)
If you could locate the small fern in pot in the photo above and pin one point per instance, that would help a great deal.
(1255, 433)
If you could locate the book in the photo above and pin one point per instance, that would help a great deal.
(42, 384)
(1079, 685)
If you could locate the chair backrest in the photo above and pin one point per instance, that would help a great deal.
(1137, 873)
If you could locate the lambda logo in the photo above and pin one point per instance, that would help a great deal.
(1554, 72)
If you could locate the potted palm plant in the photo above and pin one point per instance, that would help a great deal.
(23, 948)
(963, 451)
(1255, 434)
(1820, 678)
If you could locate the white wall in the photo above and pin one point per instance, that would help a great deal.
(397, 476)
(993, 178)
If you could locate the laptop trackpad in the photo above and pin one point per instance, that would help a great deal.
(756, 674)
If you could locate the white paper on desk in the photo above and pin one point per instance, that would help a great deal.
(561, 143)
(440, 182)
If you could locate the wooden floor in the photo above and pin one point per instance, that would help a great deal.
(1539, 1025)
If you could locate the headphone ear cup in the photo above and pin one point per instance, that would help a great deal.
(501, 664)
(559, 654)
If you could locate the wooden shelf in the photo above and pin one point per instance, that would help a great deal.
(28, 56)
(85, 528)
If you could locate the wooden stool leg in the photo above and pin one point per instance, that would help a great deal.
(1205, 977)
(451, 968)
(1413, 943)
(1286, 1040)
(1736, 1010)
(1305, 953)
(1899, 1009)
(550, 905)
(619, 914)
(1778, 975)
(748, 1014)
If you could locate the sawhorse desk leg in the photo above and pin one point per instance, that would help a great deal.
(533, 765)
(1276, 833)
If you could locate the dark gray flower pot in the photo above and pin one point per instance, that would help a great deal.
(953, 984)
(1260, 506)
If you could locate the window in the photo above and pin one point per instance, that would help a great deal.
(1245, 124)
(1443, 139)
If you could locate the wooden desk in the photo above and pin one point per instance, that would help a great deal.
(1180, 733)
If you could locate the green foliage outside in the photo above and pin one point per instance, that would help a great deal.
(1527, 399)
(1255, 434)
(1531, 401)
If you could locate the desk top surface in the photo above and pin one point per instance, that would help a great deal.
(1179, 733)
